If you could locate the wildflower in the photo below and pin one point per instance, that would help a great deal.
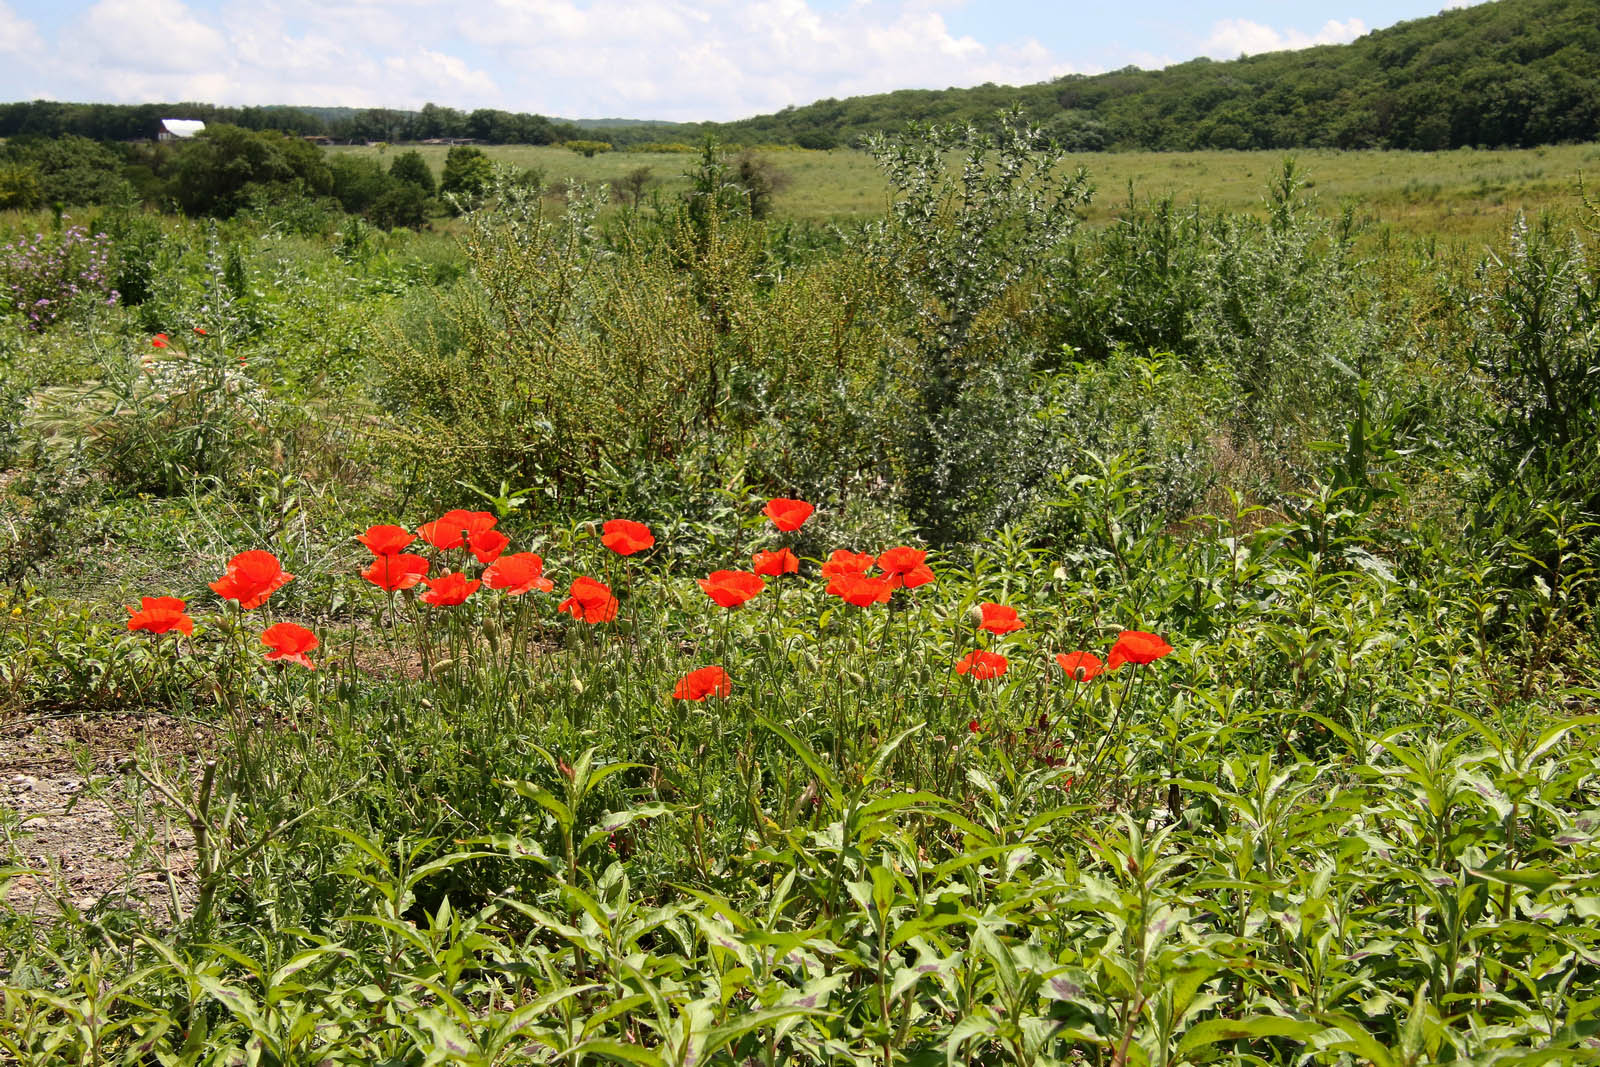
(518, 573)
(160, 340)
(974, 726)
(251, 577)
(386, 540)
(773, 564)
(843, 561)
(201, 330)
(787, 515)
(998, 619)
(449, 589)
(983, 665)
(288, 642)
(394, 571)
(158, 614)
(905, 567)
(1136, 646)
(1080, 666)
(702, 683)
(731, 588)
(487, 545)
(454, 527)
(860, 590)
(589, 601)
(625, 537)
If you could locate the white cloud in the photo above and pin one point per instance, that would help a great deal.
(1232, 38)
(726, 58)
(147, 35)
(17, 35)
(674, 59)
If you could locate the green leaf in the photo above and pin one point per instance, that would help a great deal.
(1215, 1031)
(824, 774)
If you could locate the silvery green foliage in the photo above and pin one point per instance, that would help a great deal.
(961, 241)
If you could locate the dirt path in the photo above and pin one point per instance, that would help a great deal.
(70, 812)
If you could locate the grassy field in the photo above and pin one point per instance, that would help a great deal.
(1464, 194)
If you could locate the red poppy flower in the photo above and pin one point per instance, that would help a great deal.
(843, 561)
(731, 588)
(251, 577)
(705, 682)
(999, 619)
(1080, 665)
(974, 727)
(449, 589)
(589, 601)
(396, 571)
(981, 664)
(488, 544)
(158, 614)
(200, 330)
(860, 590)
(290, 643)
(386, 540)
(1136, 646)
(905, 567)
(625, 537)
(787, 515)
(773, 564)
(454, 527)
(160, 341)
(518, 573)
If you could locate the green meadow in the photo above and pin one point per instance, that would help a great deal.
(1470, 194)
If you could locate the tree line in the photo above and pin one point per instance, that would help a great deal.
(1514, 73)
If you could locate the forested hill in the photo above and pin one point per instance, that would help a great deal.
(1510, 73)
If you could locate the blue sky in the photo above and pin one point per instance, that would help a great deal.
(668, 59)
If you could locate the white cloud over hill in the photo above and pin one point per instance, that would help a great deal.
(671, 59)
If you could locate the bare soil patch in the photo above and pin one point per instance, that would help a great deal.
(69, 812)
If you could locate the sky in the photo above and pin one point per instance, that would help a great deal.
(679, 60)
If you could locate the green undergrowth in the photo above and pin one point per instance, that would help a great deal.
(1348, 475)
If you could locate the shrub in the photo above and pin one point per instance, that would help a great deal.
(466, 171)
(965, 251)
(587, 148)
(223, 168)
(411, 168)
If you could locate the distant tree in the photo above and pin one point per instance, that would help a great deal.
(72, 169)
(467, 172)
(817, 139)
(629, 189)
(401, 204)
(761, 181)
(587, 148)
(19, 187)
(358, 181)
(225, 166)
(411, 168)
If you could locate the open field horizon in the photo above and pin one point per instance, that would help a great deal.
(1463, 193)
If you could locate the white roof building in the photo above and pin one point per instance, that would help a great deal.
(179, 129)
